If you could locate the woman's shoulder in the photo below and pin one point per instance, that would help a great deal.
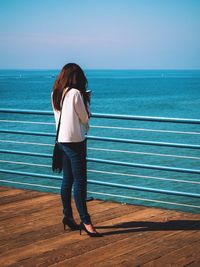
(74, 91)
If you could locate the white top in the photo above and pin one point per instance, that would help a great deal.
(74, 119)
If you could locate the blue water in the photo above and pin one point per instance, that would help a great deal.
(167, 93)
(156, 92)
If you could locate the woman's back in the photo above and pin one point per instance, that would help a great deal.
(74, 119)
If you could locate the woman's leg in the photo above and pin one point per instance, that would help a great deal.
(66, 186)
(78, 165)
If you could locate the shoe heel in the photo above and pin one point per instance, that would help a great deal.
(91, 234)
(70, 223)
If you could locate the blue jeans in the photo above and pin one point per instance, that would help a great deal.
(74, 175)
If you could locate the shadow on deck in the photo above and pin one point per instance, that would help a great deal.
(32, 234)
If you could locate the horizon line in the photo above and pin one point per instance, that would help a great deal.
(35, 69)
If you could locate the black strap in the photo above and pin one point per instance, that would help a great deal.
(60, 115)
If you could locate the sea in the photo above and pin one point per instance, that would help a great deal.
(152, 93)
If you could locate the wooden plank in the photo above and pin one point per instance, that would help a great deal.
(27, 203)
(43, 220)
(32, 235)
(41, 248)
(45, 202)
(76, 248)
(180, 256)
(154, 247)
(23, 211)
(10, 192)
(194, 263)
(102, 254)
(54, 208)
(21, 196)
(6, 188)
(108, 251)
(24, 223)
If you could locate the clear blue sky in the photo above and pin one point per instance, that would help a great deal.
(121, 34)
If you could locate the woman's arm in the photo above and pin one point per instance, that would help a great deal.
(80, 108)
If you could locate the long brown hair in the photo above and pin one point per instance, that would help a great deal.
(71, 76)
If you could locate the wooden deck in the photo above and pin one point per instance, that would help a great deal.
(32, 234)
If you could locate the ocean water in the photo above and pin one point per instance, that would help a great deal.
(163, 93)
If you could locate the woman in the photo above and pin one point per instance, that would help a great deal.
(69, 93)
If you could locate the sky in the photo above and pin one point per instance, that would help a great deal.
(100, 34)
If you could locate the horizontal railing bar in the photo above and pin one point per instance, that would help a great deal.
(26, 111)
(142, 142)
(127, 164)
(34, 154)
(148, 189)
(108, 116)
(145, 199)
(38, 175)
(106, 149)
(106, 172)
(31, 184)
(145, 118)
(145, 166)
(141, 153)
(25, 163)
(105, 127)
(28, 133)
(141, 129)
(140, 188)
(26, 143)
(28, 122)
(108, 139)
(144, 176)
(107, 194)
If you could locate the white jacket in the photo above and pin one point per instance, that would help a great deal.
(74, 119)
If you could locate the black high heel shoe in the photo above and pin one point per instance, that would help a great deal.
(91, 234)
(70, 223)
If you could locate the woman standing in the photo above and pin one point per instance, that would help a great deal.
(69, 94)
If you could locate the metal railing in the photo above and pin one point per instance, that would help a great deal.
(39, 133)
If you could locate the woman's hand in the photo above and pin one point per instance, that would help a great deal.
(88, 96)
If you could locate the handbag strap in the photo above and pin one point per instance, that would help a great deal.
(57, 132)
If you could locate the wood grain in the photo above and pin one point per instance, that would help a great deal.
(31, 234)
